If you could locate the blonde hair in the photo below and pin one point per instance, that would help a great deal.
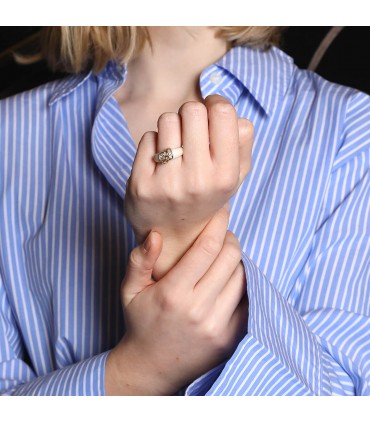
(75, 49)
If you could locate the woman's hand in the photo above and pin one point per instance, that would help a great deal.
(177, 199)
(186, 323)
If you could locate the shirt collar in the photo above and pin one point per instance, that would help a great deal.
(265, 74)
(67, 85)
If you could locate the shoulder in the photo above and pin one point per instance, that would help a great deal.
(272, 76)
(305, 82)
(15, 106)
(341, 113)
(44, 95)
(331, 113)
(30, 123)
(348, 105)
(325, 100)
(28, 111)
(26, 119)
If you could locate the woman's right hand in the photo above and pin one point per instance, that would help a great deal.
(184, 324)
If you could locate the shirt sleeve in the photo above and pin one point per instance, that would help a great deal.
(17, 377)
(316, 341)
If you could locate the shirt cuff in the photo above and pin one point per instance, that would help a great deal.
(85, 378)
(202, 384)
(278, 356)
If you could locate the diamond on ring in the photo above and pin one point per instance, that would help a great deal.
(165, 156)
(170, 153)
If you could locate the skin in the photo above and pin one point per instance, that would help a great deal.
(179, 198)
(183, 300)
(186, 323)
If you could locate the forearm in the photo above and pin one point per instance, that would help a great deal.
(127, 373)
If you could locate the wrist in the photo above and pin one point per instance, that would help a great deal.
(174, 248)
(175, 244)
(128, 374)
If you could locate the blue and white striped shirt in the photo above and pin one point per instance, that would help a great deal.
(301, 215)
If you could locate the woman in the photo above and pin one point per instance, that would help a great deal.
(75, 156)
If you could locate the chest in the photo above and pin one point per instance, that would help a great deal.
(139, 119)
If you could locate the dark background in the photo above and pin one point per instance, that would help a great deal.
(346, 61)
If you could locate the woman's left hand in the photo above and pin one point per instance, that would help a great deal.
(179, 198)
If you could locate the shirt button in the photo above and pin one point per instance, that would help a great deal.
(215, 78)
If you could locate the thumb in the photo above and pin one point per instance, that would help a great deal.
(140, 266)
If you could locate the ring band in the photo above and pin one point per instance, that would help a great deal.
(168, 154)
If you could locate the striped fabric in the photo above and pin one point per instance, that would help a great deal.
(301, 215)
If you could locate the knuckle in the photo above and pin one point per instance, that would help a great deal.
(148, 136)
(210, 245)
(193, 108)
(221, 220)
(232, 248)
(134, 258)
(240, 273)
(172, 192)
(211, 331)
(246, 128)
(228, 183)
(167, 300)
(140, 190)
(196, 186)
(232, 238)
(196, 314)
(233, 253)
(123, 288)
(223, 215)
(245, 168)
(168, 118)
(223, 109)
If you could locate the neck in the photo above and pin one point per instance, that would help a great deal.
(171, 66)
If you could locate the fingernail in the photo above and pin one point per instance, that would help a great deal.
(148, 243)
(227, 206)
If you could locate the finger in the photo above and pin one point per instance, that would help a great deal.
(232, 329)
(217, 277)
(237, 327)
(223, 133)
(169, 136)
(140, 266)
(200, 256)
(144, 164)
(246, 135)
(232, 293)
(195, 135)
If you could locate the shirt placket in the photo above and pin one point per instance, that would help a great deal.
(112, 146)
